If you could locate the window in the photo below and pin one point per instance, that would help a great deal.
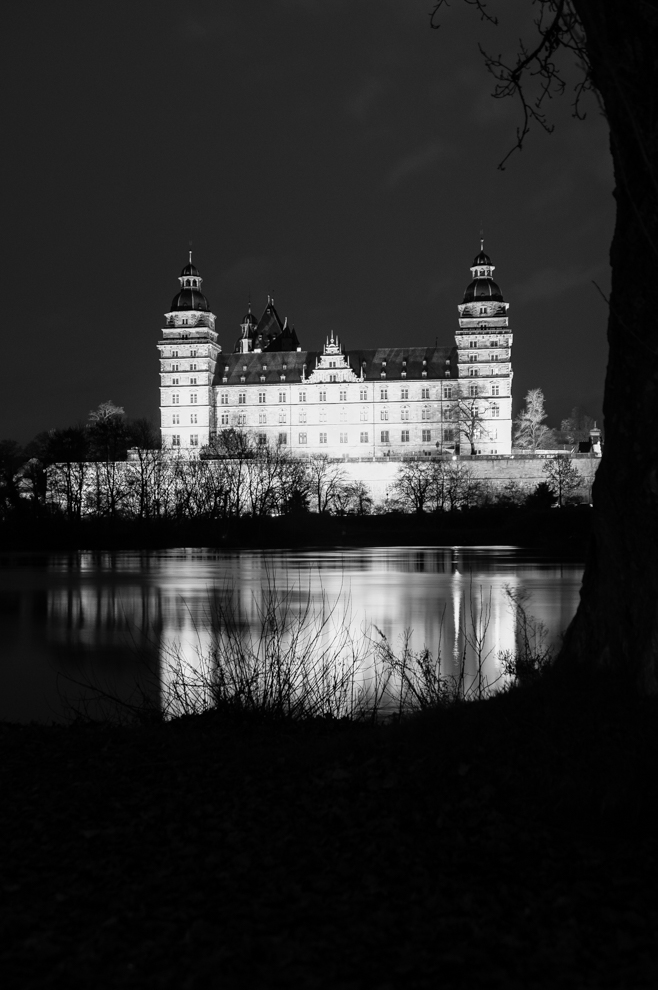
(483, 310)
(333, 378)
(283, 439)
(302, 396)
(363, 395)
(472, 390)
(493, 435)
(323, 438)
(492, 343)
(242, 419)
(364, 438)
(175, 381)
(175, 399)
(404, 414)
(425, 392)
(383, 414)
(495, 410)
(426, 414)
(383, 394)
(282, 396)
(385, 436)
(193, 418)
(472, 343)
(193, 367)
(175, 366)
(224, 419)
(193, 353)
(404, 394)
(447, 391)
(343, 415)
(282, 416)
(472, 358)
(261, 439)
(302, 415)
(175, 419)
(404, 436)
(343, 395)
(262, 397)
(194, 440)
(323, 415)
(224, 398)
(495, 389)
(175, 440)
(322, 397)
(427, 436)
(363, 415)
(343, 438)
(448, 434)
(332, 364)
(303, 438)
(174, 353)
(472, 372)
(193, 381)
(449, 413)
(262, 418)
(242, 398)
(193, 398)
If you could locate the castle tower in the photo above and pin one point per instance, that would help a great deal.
(188, 356)
(484, 356)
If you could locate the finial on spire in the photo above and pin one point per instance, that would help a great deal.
(190, 243)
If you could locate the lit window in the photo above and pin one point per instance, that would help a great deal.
(194, 440)
(193, 418)
(427, 436)
(425, 413)
(262, 397)
(363, 415)
(364, 438)
(323, 438)
(282, 416)
(343, 395)
(303, 438)
(343, 438)
(383, 414)
(404, 436)
(262, 418)
(404, 414)
(302, 415)
(343, 415)
(495, 410)
(385, 436)
(323, 415)
(322, 397)
(404, 394)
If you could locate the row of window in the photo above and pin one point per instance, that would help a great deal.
(449, 391)
(302, 439)
(175, 419)
(193, 352)
(452, 413)
(194, 440)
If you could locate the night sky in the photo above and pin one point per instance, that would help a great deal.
(337, 154)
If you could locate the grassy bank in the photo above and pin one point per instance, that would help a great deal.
(564, 530)
(507, 843)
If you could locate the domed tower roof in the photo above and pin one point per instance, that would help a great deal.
(482, 288)
(190, 296)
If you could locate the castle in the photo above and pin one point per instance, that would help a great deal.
(351, 404)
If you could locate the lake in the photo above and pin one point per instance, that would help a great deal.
(117, 621)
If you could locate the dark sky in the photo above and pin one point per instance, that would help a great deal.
(338, 154)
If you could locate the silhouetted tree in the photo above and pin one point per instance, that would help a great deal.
(530, 431)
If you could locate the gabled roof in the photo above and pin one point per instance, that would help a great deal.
(296, 365)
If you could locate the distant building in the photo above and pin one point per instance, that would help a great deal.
(387, 402)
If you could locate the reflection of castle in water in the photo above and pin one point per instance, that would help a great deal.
(109, 611)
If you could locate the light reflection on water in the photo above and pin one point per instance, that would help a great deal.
(110, 617)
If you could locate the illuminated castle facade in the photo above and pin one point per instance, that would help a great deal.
(387, 402)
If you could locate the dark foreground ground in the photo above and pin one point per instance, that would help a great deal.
(510, 843)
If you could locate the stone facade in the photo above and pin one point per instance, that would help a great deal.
(381, 404)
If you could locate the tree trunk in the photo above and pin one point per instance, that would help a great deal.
(617, 621)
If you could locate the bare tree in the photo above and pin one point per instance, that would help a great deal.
(468, 412)
(563, 478)
(530, 432)
(326, 482)
(616, 625)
